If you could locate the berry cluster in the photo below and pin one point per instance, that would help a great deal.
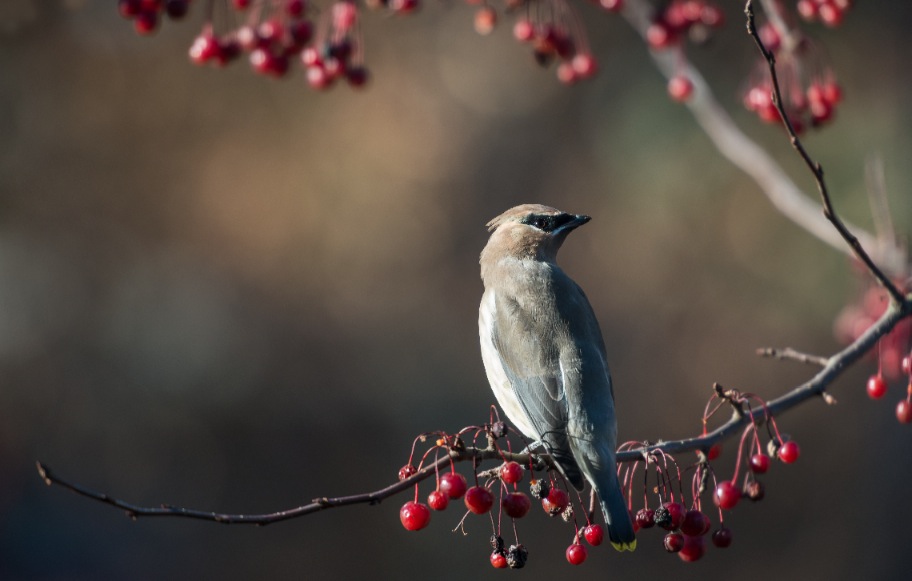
(829, 12)
(146, 14)
(810, 93)
(686, 525)
(894, 350)
(274, 34)
(553, 30)
(688, 528)
(677, 21)
(498, 489)
(682, 19)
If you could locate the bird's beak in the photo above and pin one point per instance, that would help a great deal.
(575, 222)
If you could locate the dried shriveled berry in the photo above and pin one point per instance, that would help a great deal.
(497, 542)
(755, 491)
(539, 489)
(517, 556)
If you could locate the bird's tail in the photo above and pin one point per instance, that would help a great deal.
(614, 507)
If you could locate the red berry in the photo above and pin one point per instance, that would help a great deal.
(318, 78)
(556, 501)
(129, 8)
(414, 516)
(438, 500)
(478, 500)
(523, 30)
(177, 9)
(674, 542)
(693, 549)
(576, 554)
(726, 495)
(516, 504)
(511, 472)
(454, 484)
(485, 20)
(294, 7)
(877, 386)
(714, 451)
(594, 534)
(680, 88)
(566, 74)
(357, 76)
(145, 22)
(645, 518)
(612, 5)
(722, 537)
(904, 412)
(694, 523)
(759, 463)
(499, 560)
(204, 48)
(584, 65)
(659, 36)
(906, 365)
(789, 452)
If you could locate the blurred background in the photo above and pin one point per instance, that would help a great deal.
(231, 293)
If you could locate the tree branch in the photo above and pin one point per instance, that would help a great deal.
(752, 159)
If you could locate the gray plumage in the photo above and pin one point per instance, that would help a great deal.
(544, 355)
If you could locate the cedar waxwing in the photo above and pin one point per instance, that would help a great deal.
(545, 358)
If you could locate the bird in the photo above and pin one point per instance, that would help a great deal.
(545, 358)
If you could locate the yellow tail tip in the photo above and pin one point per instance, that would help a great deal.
(631, 546)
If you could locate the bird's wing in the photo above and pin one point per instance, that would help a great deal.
(530, 355)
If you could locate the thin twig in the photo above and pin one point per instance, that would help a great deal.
(321, 503)
(816, 169)
(793, 355)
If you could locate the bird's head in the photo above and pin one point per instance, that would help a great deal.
(530, 231)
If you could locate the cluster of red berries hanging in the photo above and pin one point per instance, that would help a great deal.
(878, 385)
(147, 14)
(858, 316)
(503, 482)
(553, 30)
(676, 22)
(810, 92)
(686, 525)
(829, 12)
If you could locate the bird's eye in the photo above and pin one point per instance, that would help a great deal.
(544, 223)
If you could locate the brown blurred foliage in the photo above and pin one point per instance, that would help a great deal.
(231, 293)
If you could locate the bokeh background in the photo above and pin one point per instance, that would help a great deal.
(231, 293)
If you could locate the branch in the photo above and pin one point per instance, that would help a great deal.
(816, 169)
(321, 503)
(752, 159)
(816, 386)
